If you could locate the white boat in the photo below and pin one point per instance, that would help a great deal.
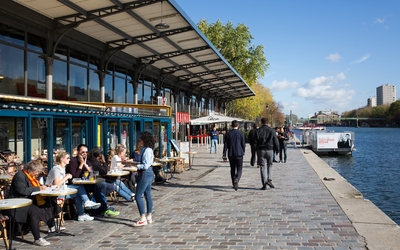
(329, 142)
(301, 126)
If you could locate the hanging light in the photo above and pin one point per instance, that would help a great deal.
(162, 25)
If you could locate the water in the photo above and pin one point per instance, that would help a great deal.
(374, 168)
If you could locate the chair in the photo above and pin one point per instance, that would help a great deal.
(3, 229)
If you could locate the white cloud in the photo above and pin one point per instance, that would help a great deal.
(333, 57)
(379, 20)
(362, 59)
(283, 85)
(323, 90)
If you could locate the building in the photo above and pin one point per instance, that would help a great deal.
(371, 102)
(385, 94)
(94, 71)
(327, 117)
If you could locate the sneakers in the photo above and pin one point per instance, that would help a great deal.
(236, 184)
(112, 208)
(91, 205)
(149, 219)
(263, 188)
(110, 213)
(85, 217)
(53, 229)
(140, 223)
(41, 242)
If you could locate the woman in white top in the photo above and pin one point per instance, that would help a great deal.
(116, 163)
(58, 177)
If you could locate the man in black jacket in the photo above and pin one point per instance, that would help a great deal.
(267, 143)
(252, 137)
(235, 143)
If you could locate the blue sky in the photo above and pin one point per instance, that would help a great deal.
(323, 55)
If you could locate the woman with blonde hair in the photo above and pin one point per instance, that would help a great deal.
(117, 163)
(58, 177)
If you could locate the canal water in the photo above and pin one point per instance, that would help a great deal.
(374, 168)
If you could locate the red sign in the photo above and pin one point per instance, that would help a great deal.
(183, 117)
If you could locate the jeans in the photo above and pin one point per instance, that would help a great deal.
(99, 193)
(144, 181)
(283, 148)
(80, 198)
(236, 163)
(214, 142)
(265, 162)
(123, 190)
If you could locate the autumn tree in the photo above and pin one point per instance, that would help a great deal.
(234, 43)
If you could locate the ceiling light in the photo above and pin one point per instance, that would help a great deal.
(209, 54)
(162, 25)
(188, 40)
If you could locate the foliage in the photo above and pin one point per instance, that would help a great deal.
(234, 43)
(380, 111)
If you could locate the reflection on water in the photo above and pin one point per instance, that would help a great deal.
(374, 168)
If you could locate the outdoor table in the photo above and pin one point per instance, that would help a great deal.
(191, 158)
(164, 162)
(13, 204)
(131, 169)
(56, 192)
(79, 181)
(5, 177)
(118, 174)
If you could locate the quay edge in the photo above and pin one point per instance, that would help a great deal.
(379, 231)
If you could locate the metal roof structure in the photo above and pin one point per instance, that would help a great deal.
(124, 26)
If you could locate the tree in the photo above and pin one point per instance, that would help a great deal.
(234, 43)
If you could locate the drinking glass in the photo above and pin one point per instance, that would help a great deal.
(96, 174)
(86, 174)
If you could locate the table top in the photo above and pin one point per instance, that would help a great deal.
(157, 164)
(5, 177)
(56, 192)
(80, 181)
(176, 158)
(166, 160)
(190, 152)
(14, 203)
(132, 169)
(129, 163)
(117, 174)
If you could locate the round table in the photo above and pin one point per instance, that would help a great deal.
(118, 174)
(131, 169)
(56, 192)
(79, 181)
(13, 204)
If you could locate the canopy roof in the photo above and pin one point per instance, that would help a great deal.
(213, 119)
(126, 26)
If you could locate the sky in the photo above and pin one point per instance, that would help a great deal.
(322, 54)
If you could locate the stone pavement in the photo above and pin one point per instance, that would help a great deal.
(199, 209)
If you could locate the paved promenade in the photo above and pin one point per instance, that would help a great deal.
(199, 209)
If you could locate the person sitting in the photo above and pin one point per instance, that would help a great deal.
(58, 177)
(23, 184)
(156, 169)
(96, 158)
(76, 167)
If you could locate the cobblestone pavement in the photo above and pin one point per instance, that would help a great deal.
(199, 209)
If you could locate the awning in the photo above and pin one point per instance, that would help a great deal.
(180, 51)
(213, 119)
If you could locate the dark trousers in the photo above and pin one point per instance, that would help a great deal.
(236, 163)
(99, 191)
(253, 155)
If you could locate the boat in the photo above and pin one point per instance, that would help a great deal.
(301, 126)
(329, 142)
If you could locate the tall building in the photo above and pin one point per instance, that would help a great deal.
(385, 94)
(371, 102)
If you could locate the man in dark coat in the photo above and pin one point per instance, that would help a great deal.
(24, 183)
(235, 143)
(252, 138)
(267, 143)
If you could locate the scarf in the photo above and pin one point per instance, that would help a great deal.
(35, 183)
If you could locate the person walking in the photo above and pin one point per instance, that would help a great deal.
(235, 143)
(267, 143)
(253, 144)
(214, 140)
(283, 138)
(145, 179)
